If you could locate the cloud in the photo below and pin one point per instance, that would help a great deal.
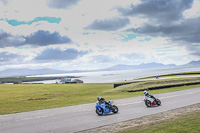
(6, 57)
(165, 11)
(165, 20)
(109, 24)
(188, 30)
(98, 33)
(3, 35)
(194, 50)
(39, 38)
(59, 55)
(43, 38)
(5, 2)
(133, 56)
(8, 40)
(101, 59)
(62, 4)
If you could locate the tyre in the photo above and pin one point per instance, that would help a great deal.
(114, 109)
(158, 102)
(99, 111)
(148, 103)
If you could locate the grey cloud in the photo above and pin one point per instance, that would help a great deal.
(188, 30)
(165, 11)
(165, 19)
(7, 40)
(43, 38)
(39, 38)
(58, 55)
(189, 38)
(109, 25)
(6, 57)
(5, 2)
(4, 35)
(62, 4)
(194, 49)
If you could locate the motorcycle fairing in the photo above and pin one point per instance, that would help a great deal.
(103, 106)
(150, 99)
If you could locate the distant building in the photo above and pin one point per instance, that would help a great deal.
(77, 81)
(17, 82)
(69, 81)
(65, 80)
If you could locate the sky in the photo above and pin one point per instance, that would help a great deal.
(97, 34)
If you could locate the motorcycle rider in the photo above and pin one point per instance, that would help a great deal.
(102, 100)
(149, 95)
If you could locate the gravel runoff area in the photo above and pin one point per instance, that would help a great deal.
(151, 119)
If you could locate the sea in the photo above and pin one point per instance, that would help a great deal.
(114, 76)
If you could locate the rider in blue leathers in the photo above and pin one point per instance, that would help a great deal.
(102, 100)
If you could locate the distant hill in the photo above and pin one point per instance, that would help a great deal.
(192, 64)
(28, 72)
(141, 66)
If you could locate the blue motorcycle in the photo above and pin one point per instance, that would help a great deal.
(102, 108)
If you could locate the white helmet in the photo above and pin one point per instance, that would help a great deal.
(98, 98)
(145, 92)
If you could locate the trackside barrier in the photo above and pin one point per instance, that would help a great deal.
(120, 84)
(157, 87)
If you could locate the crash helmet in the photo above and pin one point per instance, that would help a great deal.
(145, 92)
(98, 98)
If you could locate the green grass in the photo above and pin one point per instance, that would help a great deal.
(28, 97)
(183, 124)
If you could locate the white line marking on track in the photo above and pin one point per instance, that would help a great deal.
(161, 98)
(179, 95)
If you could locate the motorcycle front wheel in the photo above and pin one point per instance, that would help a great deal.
(158, 102)
(99, 111)
(114, 109)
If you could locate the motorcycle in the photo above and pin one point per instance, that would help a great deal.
(102, 108)
(151, 101)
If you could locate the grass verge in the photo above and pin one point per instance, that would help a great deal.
(16, 98)
(182, 123)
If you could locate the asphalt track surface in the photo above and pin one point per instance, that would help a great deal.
(83, 117)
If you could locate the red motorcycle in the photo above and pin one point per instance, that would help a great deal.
(151, 101)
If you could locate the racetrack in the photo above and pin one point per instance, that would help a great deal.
(83, 117)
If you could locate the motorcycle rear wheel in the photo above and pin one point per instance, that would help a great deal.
(148, 104)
